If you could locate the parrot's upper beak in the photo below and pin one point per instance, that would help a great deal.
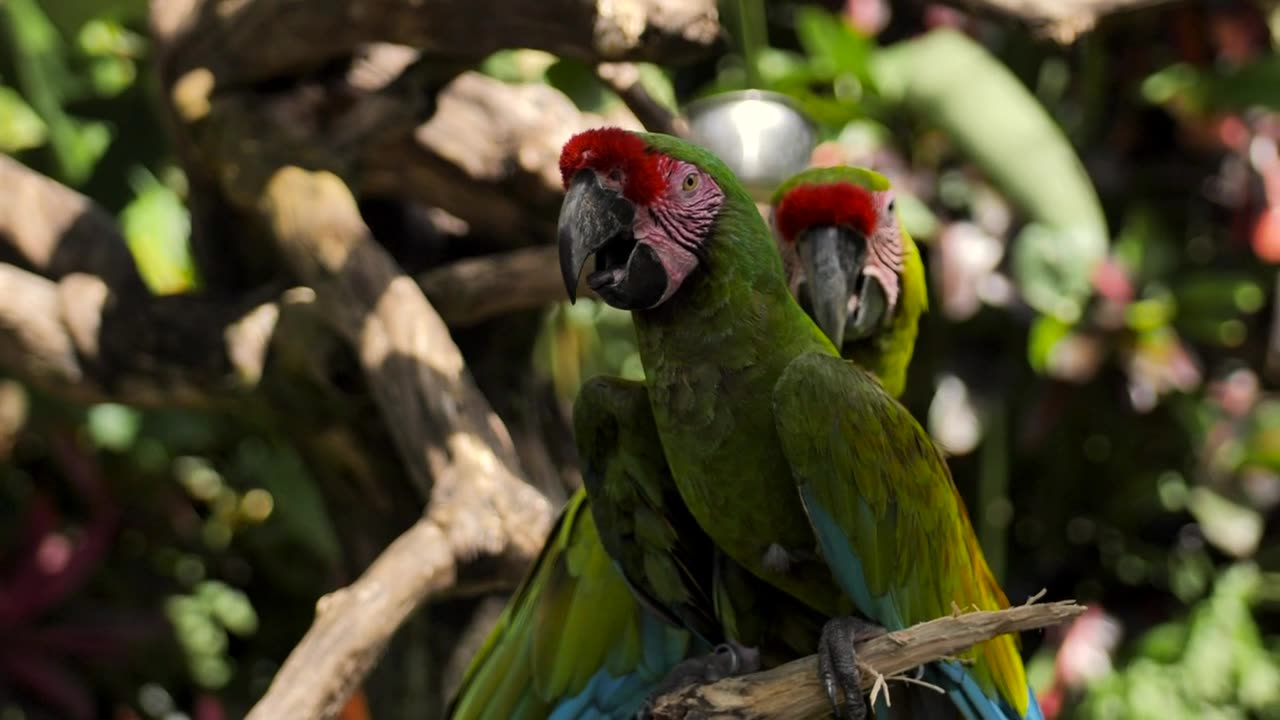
(596, 220)
(847, 304)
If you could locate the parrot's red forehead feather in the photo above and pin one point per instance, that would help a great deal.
(610, 150)
(829, 204)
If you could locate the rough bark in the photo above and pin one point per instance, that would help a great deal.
(792, 691)
(1062, 20)
(246, 41)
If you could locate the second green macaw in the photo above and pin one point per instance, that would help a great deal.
(799, 467)
(574, 642)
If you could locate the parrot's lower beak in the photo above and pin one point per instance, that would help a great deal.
(846, 303)
(596, 220)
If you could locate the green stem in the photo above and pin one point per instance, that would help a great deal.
(753, 35)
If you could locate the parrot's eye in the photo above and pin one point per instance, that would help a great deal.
(690, 182)
(892, 203)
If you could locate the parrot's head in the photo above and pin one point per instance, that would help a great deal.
(645, 205)
(844, 246)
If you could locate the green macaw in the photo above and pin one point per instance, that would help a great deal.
(573, 642)
(800, 468)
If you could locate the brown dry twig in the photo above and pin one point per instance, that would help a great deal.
(624, 79)
(1062, 20)
(792, 690)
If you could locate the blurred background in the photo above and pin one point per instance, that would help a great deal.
(1095, 187)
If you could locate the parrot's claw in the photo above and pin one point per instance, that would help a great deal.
(727, 659)
(838, 664)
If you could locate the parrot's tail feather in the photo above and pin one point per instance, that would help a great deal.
(972, 702)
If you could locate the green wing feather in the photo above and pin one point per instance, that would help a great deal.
(866, 470)
(572, 616)
(659, 547)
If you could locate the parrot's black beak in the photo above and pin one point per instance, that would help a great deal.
(846, 304)
(596, 220)
(590, 217)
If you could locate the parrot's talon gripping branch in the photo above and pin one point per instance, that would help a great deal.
(838, 665)
(726, 660)
(794, 690)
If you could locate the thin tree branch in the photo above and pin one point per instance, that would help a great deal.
(470, 291)
(253, 40)
(792, 691)
(353, 625)
(1062, 20)
(624, 79)
(56, 231)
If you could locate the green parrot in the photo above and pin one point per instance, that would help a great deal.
(547, 656)
(798, 466)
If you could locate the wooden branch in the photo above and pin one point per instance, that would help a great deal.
(254, 40)
(792, 691)
(81, 340)
(470, 291)
(56, 231)
(353, 624)
(452, 444)
(1062, 20)
(624, 79)
(180, 350)
(488, 156)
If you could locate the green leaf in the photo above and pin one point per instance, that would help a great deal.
(113, 426)
(658, 84)
(833, 46)
(47, 83)
(20, 127)
(1229, 526)
(1164, 643)
(958, 86)
(518, 66)
(1045, 334)
(1256, 84)
(578, 80)
(1152, 313)
(112, 76)
(157, 228)
(1054, 268)
(101, 37)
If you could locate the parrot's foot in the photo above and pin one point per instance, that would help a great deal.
(725, 660)
(838, 664)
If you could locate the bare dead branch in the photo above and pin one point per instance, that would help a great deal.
(488, 156)
(470, 291)
(792, 691)
(57, 231)
(624, 79)
(1062, 20)
(83, 341)
(451, 442)
(353, 624)
(179, 350)
(253, 40)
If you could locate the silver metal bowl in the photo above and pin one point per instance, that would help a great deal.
(764, 137)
